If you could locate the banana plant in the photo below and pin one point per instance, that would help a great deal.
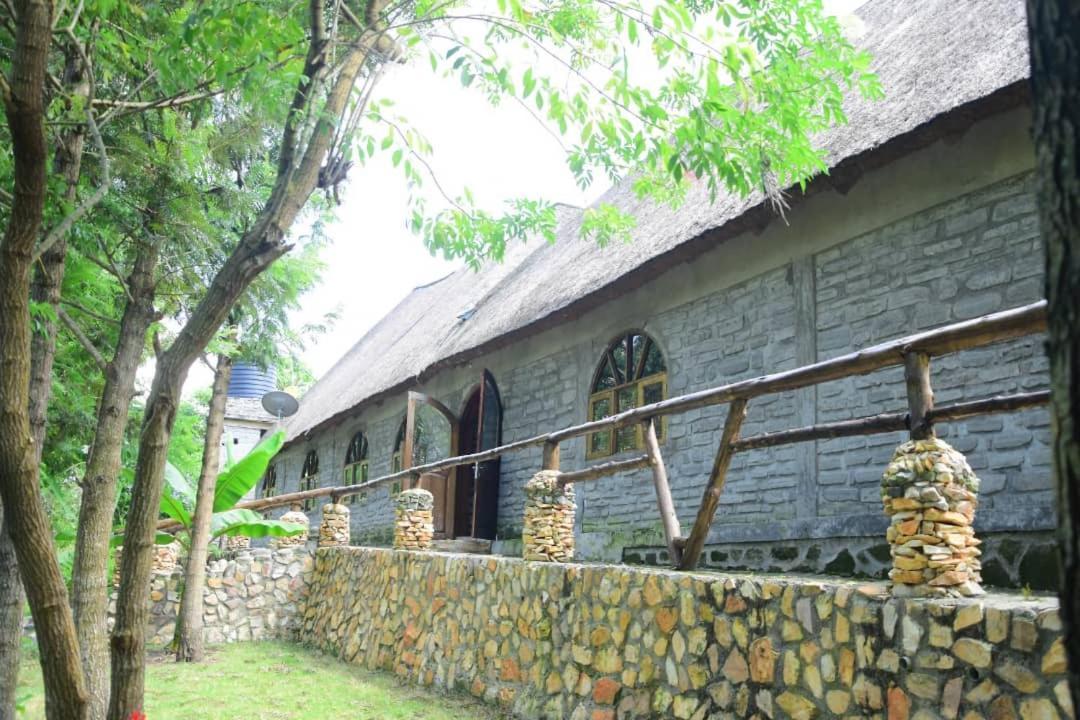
(237, 479)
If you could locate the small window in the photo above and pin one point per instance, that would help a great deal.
(269, 484)
(356, 465)
(309, 476)
(632, 373)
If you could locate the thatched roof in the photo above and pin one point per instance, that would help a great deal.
(935, 58)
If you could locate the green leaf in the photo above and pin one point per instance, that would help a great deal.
(238, 480)
(247, 523)
(182, 488)
(174, 509)
(160, 538)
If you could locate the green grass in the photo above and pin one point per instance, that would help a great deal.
(276, 681)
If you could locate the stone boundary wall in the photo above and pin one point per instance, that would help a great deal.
(590, 642)
(1010, 560)
(256, 594)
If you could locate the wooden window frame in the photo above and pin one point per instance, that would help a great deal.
(613, 395)
(590, 453)
(635, 363)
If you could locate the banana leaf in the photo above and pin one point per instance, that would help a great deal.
(160, 538)
(235, 482)
(248, 523)
(174, 508)
(182, 488)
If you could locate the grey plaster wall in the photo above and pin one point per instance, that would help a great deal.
(944, 234)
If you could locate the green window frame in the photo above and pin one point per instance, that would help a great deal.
(309, 476)
(356, 466)
(395, 459)
(269, 483)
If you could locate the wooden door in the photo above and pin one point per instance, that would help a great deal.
(477, 485)
(486, 474)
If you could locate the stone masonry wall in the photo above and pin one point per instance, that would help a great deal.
(255, 595)
(604, 642)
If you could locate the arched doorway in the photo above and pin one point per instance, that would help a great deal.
(466, 498)
(429, 433)
(476, 496)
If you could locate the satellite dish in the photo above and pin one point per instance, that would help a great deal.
(280, 404)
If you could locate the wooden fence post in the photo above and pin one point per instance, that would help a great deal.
(672, 531)
(711, 499)
(920, 395)
(551, 456)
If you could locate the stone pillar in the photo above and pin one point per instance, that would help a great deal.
(118, 554)
(295, 515)
(548, 535)
(237, 542)
(334, 531)
(930, 494)
(413, 519)
(166, 557)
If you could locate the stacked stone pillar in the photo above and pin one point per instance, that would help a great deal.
(295, 515)
(166, 558)
(930, 494)
(334, 530)
(548, 535)
(237, 543)
(414, 521)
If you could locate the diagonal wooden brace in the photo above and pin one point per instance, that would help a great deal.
(672, 531)
(711, 499)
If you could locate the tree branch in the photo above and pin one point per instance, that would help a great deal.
(61, 229)
(166, 102)
(5, 90)
(109, 267)
(88, 311)
(82, 338)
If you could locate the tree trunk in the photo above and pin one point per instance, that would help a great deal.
(89, 576)
(45, 288)
(65, 693)
(1054, 29)
(48, 277)
(265, 242)
(189, 625)
(251, 257)
(11, 609)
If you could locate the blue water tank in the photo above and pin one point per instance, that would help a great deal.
(249, 381)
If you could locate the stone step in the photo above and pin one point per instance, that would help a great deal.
(474, 546)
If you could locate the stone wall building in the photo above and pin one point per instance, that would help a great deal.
(926, 217)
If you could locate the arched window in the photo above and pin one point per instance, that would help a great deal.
(309, 475)
(270, 481)
(632, 372)
(356, 464)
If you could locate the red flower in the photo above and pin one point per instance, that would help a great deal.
(138, 715)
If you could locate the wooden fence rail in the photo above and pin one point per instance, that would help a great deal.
(913, 352)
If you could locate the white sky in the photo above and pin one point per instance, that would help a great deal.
(373, 260)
